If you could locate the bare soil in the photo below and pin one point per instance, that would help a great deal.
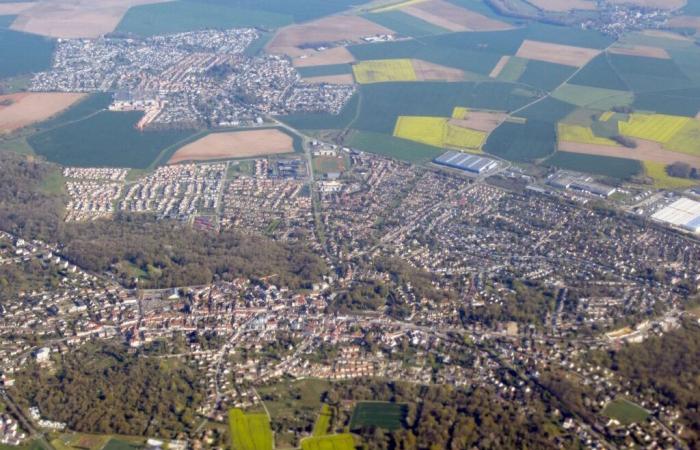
(641, 50)
(645, 151)
(556, 53)
(453, 18)
(27, 108)
(426, 71)
(235, 144)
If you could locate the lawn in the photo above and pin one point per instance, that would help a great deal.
(625, 411)
(250, 431)
(106, 139)
(387, 415)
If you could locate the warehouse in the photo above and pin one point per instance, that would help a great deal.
(684, 213)
(467, 162)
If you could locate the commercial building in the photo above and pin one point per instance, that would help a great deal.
(683, 213)
(466, 162)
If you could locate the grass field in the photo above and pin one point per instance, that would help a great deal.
(404, 24)
(438, 132)
(343, 441)
(23, 53)
(328, 164)
(180, 16)
(392, 147)
(320, 71)
(384, 70)
(625, 412)
(285, 403)
(323, 422)
(387, 415)
(599, 165)
(662, 180)
(653, 127)
(249, 431)
(106, 139)
(584, 135)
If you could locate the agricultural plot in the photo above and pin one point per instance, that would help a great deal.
(447, 15)
(80, 110)
(23, 53)
(647, 74)
(387, 415)
(331, 56)
(235, 144)
(384, 70)
(548, 110)
(625, 411)
(323, 71)
(687, 140)
(653, 127)
(544, 75)
(6, 21)
(599, 165)
(600, 73)
(405, 24)
(382, 144)
(27, 108)
(564, 5)
(556, 53)
(323, 422)
(180, 16)
(107, 139)
(300, 10)
(523, 142)
(249, 431)
(512, 70)
(680, 102)
(438, 132)
(593, 98)
(343, 441)
(583, 135)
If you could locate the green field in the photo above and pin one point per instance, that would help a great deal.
(180, 16)
(544, 75)
(591, 97)
(106, 139)
(320, 71)
(513, 70)
(83, 109)
(601, 74)
(284, 400)
(343, 441)
(249, 431)
(661, 178)
(22, 53)
(548, 110)
(625, 411)
(118, 444)
(681, 102)
(643, 74)
(392, 147)
(523, 142)
(299, 10)
(404, 24)
(387, 415)
(599, 165)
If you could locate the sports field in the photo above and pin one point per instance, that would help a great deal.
(385, 415)
(384, 70)
(249, 431)
(583, 135)
(343, 441)
(653, 127)
(625, 412)
(438, 132)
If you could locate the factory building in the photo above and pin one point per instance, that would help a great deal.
(464, 161)
(683, 213)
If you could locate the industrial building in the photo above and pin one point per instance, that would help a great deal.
(465, 161)
(683, 213)
(565, 179)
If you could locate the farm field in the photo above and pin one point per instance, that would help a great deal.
(545, 76)
(235, 144)
(321, 121)
(331, 56)
(580, 134)
(74, 18)
(564, 5)
(608, 166)
(591, 97)
(20, 110)
(680, 102)
(625, 411)
(389, 416)
(405, 24)
(322, 71)
(640, 50)
(343, 441)
(438, 132)
(300, 10)
(653, 127)
(556, 53)
(106, 139)
(23, 53)
(662, 180)
(451, 17)
(645, 151)
(392, 147)
(687, 140)
(180, 16)
(249, 431)
(384, 70)
(522, 142)
(323, 422)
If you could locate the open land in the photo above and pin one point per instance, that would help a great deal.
(336, 55)
(453, 18)
(289, 40)
(645, 151)
(236, 144)
(556, 53)
(27, 108)
(74, 18)
(641, 50)
(564, 5)
(625, 411)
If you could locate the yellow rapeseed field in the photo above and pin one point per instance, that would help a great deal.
(660, 128)
(438, 132)
(581, 134)
(384, 70)
(460, 112)
(606, 116)
(687, 140)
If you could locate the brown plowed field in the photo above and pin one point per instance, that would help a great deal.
(556, 53)
(641, 50)
(452, 17)
(235, 144)
(481, 121)
(499, 66)
(10, 9)
(426, 71)
(645, 151)
(564, 5)
(336, 55)
(657, 4)
(27, 108)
